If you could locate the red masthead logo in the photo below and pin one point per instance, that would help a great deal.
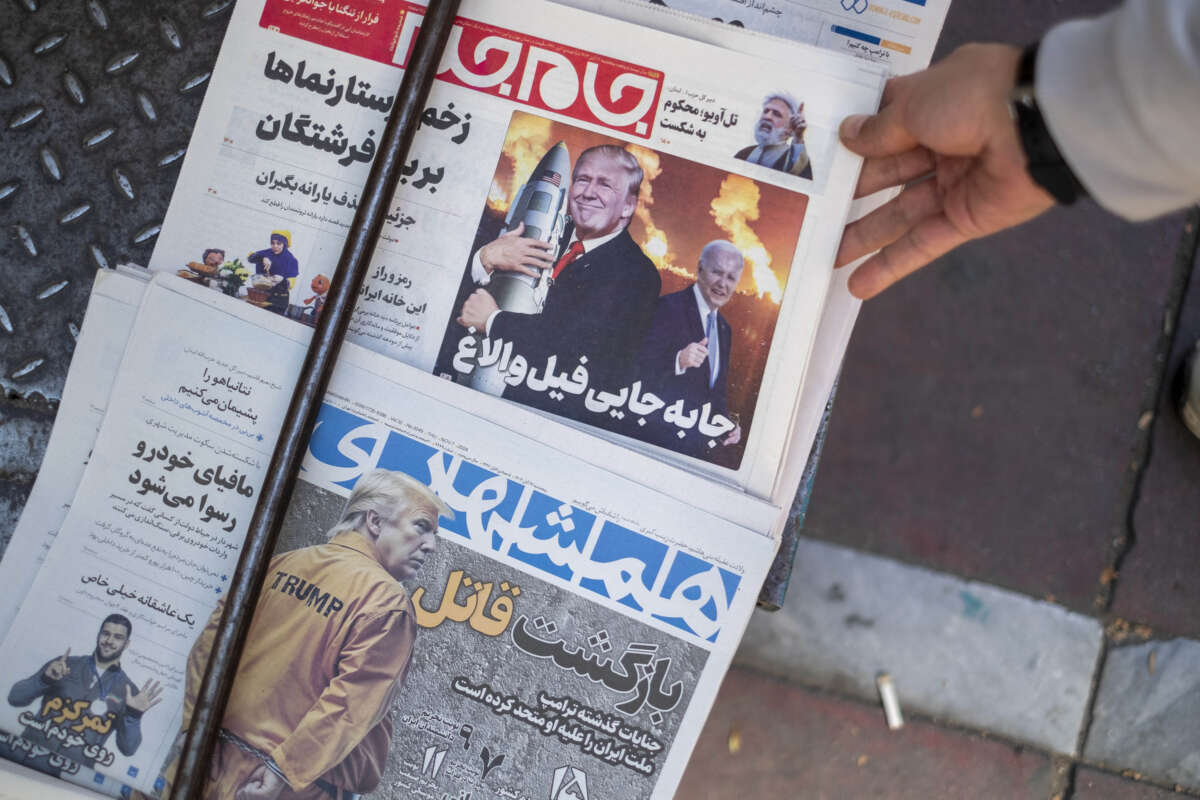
(553, 77)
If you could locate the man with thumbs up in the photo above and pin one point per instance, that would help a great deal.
(81, 701)
(686, 353)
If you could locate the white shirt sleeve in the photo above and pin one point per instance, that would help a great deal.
(478, 273)
(1120, 95)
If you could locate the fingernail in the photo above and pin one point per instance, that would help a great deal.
(852, 125)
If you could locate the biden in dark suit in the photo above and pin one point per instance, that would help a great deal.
(686, 353)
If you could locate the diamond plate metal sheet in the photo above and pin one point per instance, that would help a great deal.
(97, 101)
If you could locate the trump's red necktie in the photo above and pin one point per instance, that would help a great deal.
(573, 252)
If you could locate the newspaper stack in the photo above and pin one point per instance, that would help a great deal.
(552, 469)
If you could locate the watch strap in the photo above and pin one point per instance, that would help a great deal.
(1046, 164)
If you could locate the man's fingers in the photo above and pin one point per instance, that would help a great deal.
(536, 257)
(888, 223)
(897, 170)
(875, 135)
(929, 239)
(148, 698)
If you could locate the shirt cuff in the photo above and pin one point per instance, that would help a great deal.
(479, 273)
(1113, 91)
(678, 367)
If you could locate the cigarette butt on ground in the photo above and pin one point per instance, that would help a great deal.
(891, 702)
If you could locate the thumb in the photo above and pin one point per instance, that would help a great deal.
(875, 135)
(517, 231)
(704, 342)
(67, 654)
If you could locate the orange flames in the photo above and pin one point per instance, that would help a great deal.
(654, 243)
(527, 141)
(733, 210)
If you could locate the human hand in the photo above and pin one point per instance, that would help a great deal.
(147, 698)
(57, 669)
(797, 123)
(261, 784)
(512, 252)
(693, 355)
(266, 265)
(951, 123)
(476, 310)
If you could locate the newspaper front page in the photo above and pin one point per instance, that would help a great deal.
(562, 129)
(569, 627)
(899, 35)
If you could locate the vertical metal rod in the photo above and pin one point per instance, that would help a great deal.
(314, 377)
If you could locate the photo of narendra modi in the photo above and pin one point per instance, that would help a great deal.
(623, 288)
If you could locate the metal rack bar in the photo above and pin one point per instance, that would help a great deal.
(314, 377)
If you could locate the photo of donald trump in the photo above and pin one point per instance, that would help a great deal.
(602, 290)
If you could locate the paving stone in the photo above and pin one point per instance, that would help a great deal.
(23, 437)
(1092, 784)
(988, 406)
(974, 654)
(1147, 712)
(1157, 582)
(808, 746)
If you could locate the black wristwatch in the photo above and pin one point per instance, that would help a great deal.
(1046, 164)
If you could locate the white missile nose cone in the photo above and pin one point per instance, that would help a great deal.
(557, 159)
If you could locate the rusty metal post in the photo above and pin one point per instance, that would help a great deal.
(327, 339)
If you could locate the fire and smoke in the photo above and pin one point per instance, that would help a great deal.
(527, 141)
(654, 244)
(733, 210)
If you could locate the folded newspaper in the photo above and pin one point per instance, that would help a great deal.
(564, 614)
(570, 175)
(596, 226)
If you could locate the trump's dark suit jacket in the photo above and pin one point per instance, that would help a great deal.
(600, 307)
